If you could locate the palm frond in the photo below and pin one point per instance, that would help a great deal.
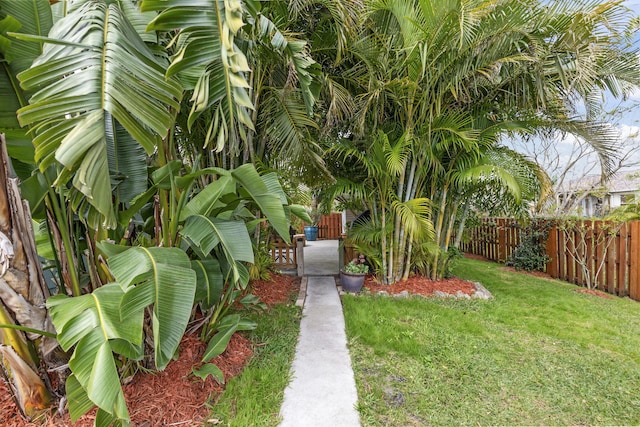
(209, 62)
(415, 216)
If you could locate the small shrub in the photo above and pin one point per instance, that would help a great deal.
(453, 255)
(531, 254)
(263, 264)
(356, 266)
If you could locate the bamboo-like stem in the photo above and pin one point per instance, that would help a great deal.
(462, 220)
(438, 230)
(450, 225)
(61, 218)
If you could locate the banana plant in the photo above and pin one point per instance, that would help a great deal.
(23, 320)
(94, 51)
(98, 107)
(215, 226)
(209, 62)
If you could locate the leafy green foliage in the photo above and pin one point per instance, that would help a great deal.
(16, 56)
(209, 369)
(93, 324)
(162, 278)
(217, 77)
(79, 84)
(356, 266)
(531, 254)
(453, 256)
(209, 282)
(263, 262)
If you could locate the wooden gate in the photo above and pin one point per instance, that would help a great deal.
(330, 226)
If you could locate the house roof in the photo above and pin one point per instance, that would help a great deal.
(619, 182)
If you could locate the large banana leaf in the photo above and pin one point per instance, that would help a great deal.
(269, 202)
(208, 61)
(205, 201)
(210, 282)
(26, 17)
(92, 323)
(127, 161)
(265, 191)
(161, 277)
(95, 65)
(205, 234)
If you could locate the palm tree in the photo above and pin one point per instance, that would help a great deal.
(454, 76)
(273, 81)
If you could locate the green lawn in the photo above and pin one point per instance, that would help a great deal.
(539, 353)
(254, 397)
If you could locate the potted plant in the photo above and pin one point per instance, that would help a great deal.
(352, 274)
(311, 231)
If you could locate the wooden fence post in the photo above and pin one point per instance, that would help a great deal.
(300, 256)
(621, 261)
(501, 225)
(634, 261)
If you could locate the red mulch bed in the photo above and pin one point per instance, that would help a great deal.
(595, 293)
(278, 290)
(173, 396)
(420, 285)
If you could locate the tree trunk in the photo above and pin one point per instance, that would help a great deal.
(22, 296)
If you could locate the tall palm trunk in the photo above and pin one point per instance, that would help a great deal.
(439, 229)
(408, 239)
(22, 296)
(463, 219)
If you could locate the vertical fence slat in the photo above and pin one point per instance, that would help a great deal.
(634, 259)
(501, 243)
(600, 259)
(571, 264)
(621, 261)
(611, 263)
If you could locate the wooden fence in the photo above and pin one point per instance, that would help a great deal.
(604, 253)
(330, 226)
(288, 257)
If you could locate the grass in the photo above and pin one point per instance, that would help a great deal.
(254, 397)
(539, 353)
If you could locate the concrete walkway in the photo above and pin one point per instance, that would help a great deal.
(322, 391)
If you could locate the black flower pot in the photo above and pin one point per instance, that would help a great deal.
(352, 282)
